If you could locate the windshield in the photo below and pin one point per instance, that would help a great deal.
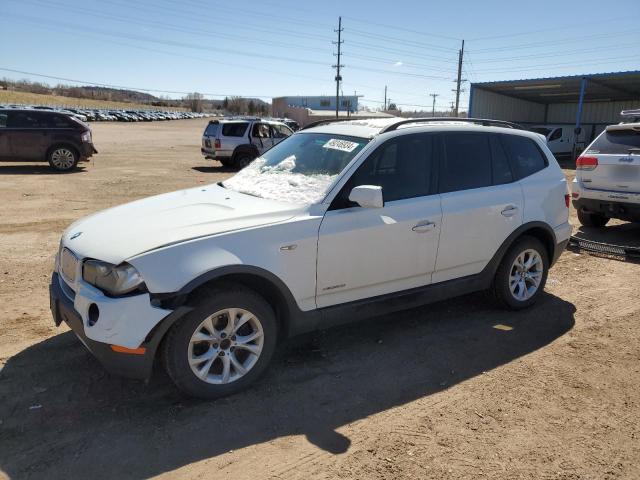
(542, 130)
(616, 142)
(299, 169)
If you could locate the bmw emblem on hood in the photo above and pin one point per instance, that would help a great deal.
(75, 235)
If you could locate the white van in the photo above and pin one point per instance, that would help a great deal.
(560, 138)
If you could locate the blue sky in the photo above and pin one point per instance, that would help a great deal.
(270, 48)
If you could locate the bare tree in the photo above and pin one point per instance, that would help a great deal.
(194, 101)
(237, 105)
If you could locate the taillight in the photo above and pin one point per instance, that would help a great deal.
(566, 199)
(217, 143)
(586, 163)
(575, 194)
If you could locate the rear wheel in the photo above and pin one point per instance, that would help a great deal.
(223, 345)
(522, 274)
(63, 158)
(592, 219)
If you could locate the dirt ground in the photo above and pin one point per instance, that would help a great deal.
(455, 390)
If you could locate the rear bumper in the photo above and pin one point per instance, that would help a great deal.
(609, 208)
(132, 365)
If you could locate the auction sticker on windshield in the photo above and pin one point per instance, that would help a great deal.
(342, 145)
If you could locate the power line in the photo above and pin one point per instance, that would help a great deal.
(563, 27)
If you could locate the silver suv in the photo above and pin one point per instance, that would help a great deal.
(607, 182)
(236, 142)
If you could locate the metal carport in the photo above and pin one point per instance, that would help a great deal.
(593, 99)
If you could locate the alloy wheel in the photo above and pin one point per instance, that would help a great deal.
(62, 158)
(225, 346)
(526, 274)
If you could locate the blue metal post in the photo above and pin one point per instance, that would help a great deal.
(583, 86)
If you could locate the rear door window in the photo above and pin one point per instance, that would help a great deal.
(234, 129)
(466, 162)
(526, 158)
(500, 169)
(616, 142)
(280, 131)
(60, 121)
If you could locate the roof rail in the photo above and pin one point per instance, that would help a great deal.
(480, 121)
(336, 120)
(324, 122)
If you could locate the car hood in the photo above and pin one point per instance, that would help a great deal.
(119, 233)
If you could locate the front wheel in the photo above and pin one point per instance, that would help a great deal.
(63, 158)
(522, 274)
(223, 345)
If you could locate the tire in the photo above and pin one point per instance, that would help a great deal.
(512, 287)
(226, 367)
(226, 162)
(596, 220)
(63, 158)
(242, 159)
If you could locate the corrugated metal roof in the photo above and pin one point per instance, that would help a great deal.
(613, 86)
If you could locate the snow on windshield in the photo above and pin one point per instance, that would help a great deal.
(279, 182)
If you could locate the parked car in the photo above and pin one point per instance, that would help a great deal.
(607, 181)
(42, 135)
(337, 223)
(561, 138)
(237, 142)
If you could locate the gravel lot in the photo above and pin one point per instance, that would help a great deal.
(454, 390)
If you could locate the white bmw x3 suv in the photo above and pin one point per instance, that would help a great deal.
(339, 222)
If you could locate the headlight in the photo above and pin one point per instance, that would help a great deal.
(86, 137)
(112, 279)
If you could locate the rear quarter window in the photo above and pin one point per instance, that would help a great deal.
(211, 129)
(234, 129)
(525, 156)
(617, 142)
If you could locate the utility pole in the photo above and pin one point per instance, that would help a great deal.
(337, 66)
(385, 99)
(433, 108)
(459, 81)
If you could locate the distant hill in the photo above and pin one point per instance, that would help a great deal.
(86, 93)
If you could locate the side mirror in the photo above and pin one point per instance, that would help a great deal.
(367, 196)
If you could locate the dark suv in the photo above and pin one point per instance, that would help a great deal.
(30, 135)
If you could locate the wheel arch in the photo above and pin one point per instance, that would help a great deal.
(266, 284)
(63, 143)
(245, 148)
(538, 230)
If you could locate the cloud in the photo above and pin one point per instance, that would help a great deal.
(397, 64)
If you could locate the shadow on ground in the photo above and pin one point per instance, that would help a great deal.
(624, 234)
(39, 169)
(215, 169)
(92, 425)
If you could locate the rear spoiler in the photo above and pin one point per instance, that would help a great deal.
(630, 116)
(623, 127)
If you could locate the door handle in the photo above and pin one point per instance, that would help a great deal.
(509, 211)
(424, 227)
